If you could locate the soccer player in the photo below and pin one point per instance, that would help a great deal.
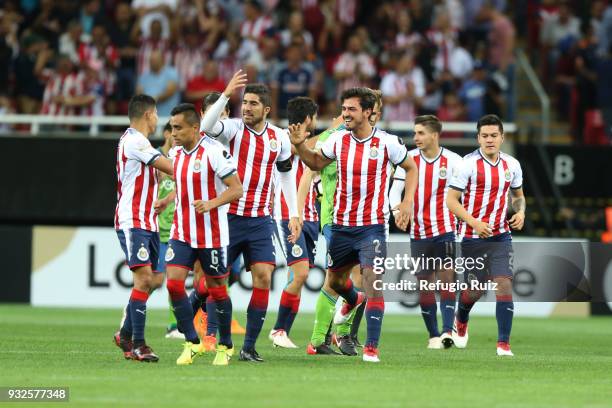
(484, 178)
(136, 220)
(206, 181)
(300, 256)
(165, 199)
(432, 231)
(364, 156)
(345, 336)
(257, 147)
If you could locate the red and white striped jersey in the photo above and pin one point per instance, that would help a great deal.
(485, 189)
(364, 171)
(431, 216)
(255, 156)
(136, 182)
(189, 63)
(147, 47)
(255, 28)
(281, 210)
(199, 175)
(71, 85)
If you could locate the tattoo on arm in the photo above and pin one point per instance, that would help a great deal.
(519, 204)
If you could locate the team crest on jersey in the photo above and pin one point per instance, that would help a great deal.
(373, 152)
(197, 166)
(330, 262)
(273, 145)
(296, 251)
(442, 172)
(169, 254)
(142, 254)
(507, 175)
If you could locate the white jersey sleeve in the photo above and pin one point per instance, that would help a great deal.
(396, 149)
(328, 147)
(400, 174)
(285, 148)
(460, 179)
(139, 148)
(517, 174)
(228, 130)
(220, 160)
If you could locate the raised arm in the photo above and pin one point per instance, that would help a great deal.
(312, 158)
(211, 124)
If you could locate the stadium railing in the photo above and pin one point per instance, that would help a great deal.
(93, 125)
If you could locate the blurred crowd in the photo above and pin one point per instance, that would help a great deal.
(572, 41)
(447, 57)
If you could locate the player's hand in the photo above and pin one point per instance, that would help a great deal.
(295, 228)
(517, 221)
(238, 81)
(298, 133)
(402, 214)
(201, 206)
(482, 229)
(160, 205)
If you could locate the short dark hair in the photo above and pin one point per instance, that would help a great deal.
(299, 108)
(262, 91)
(211, 98)
(431, 122)
(487, 120)
(167, 127)
(138, 105)
(367, 99)
(188, 111)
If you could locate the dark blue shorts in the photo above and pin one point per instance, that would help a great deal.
(141, 247)
(435, 251)
(251, 237)
(305, 247)
(182, 255)
(349, 246)
(495, 253)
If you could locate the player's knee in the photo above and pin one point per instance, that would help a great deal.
(157, 281)
(176, 289)
(218, 293)
(504, 285)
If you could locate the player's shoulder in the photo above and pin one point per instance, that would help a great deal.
(174, 151)
(414, 152)
(472, 156)
(387, 138)
(278, 130)
(135, 140)
(449, 154)
(512, 161)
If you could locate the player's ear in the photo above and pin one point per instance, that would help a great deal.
(267, 110)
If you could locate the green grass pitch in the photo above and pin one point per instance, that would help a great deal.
(559, 362)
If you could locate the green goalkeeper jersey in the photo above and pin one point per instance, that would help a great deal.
(166, 186)
(328, 182)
